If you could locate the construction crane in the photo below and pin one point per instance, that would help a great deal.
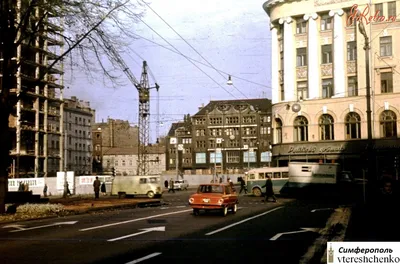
(143, 89)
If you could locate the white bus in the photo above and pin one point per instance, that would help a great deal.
(256, 178)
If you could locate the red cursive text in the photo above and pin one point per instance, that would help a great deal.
(357, 15)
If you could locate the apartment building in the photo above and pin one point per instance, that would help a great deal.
(320, 78)
(78, 120)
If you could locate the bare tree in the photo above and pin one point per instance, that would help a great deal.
(79, 25)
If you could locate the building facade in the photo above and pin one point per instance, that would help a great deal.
(37, 115)
(226, 137)
(78, 120)
(114, 133)
(320, 78)
(124, 160)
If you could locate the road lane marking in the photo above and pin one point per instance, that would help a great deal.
(21, 228)
(134, 220)
(144, 258)
(145, 230)
(303, 229)
(321, 209)
(243, 221)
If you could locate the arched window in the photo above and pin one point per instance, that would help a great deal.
(326, 127)
(353, 126)
(278, 129)
(300, 129)
(388, 124)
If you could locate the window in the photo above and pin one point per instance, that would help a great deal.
(212, 157)
(326, 22)
(327, 88)
(326, 54)
(232, 157)
(379, 10)
(302, 90)
(326, 127)
(300, 129)
(97, 147)
(282, 91)
(385, 44)
(392, 11)
(200, 144)
(249, 131)
(215, 120)
(249, 119)
(200, 121)
(301, 26)
(266, 156)
(353, 126)
(352, 87)
(249, 156)
(232, 120)
(200, 158)
(351, 51)
(278, 129)
(142, 180)
(301, 57)
(386, 82)
(388, 124)
(200, 132)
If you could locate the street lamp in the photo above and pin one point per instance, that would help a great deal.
(229, 82)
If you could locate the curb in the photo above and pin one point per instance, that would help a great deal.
(334, 230)
(140, 204)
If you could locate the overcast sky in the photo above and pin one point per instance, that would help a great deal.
(231, 35)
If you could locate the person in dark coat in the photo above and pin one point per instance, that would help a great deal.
(96, 187)
(103, 188)
(269, 190)
(242, 186)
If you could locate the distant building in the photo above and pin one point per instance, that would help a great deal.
(124, 160)
(112, 134)
(228, 136)
(78, 120)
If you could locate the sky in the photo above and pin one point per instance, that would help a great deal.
(231, 36)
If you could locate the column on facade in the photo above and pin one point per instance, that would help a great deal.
(288, 59)
(312, 56)
(338, 54)
(274, 64)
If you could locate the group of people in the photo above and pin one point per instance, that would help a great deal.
(23, 187)
(98, 186)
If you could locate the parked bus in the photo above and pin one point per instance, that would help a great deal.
(137, 185)
(256, 178)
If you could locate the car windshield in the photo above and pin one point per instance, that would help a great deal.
(211, 189)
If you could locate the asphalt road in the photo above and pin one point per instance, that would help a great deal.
(170, 233)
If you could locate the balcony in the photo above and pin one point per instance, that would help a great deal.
(326, 70)
(301, 72)
(351, 67)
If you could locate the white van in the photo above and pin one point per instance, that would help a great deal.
(137, 185)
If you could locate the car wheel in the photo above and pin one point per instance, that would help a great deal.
(150, 194)
(257, 192)
(196, 212)
(225, 211)
(234, 209)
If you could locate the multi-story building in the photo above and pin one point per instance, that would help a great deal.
(36, 118)
(124, 160)
(78, 120)
(112, 134)
(227, 136)
(320, 67)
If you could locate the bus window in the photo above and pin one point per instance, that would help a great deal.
(269, 174)
(252, 176)
(285, 174)
(261, 175)
(277, 175)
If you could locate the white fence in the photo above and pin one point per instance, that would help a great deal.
(84, 184)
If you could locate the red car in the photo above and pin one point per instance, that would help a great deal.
(214, 196)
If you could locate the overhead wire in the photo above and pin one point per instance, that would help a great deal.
(190, 45)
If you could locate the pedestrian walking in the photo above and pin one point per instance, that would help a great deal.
(96, 187)
(45, 190)
(171, 186)
(243, 186)
(269, 190)
(103, 188)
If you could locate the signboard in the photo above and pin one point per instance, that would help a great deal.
(245, 146)
(89, 179)
(180, 147)
(61, 179)
(32, 182)
(172, 140)
(219, 140)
